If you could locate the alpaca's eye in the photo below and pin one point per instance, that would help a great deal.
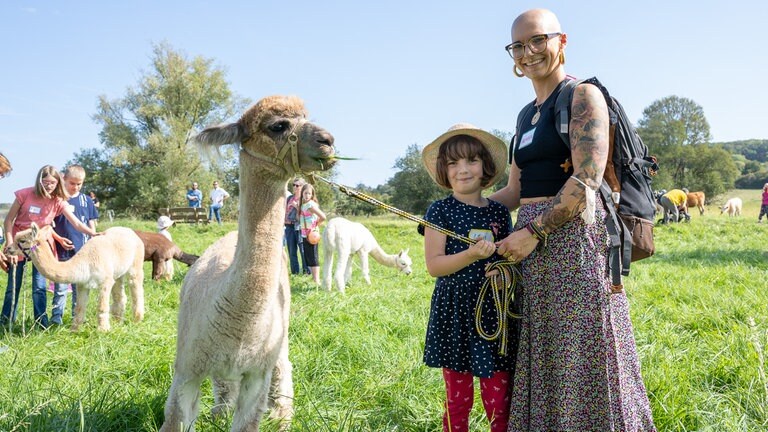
(279, 126)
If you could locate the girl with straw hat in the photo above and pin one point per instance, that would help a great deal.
(465, 160)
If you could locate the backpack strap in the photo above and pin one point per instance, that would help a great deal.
(618, 258)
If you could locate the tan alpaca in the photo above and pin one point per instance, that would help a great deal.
(345, 238)
(107, 262)
(235, 300)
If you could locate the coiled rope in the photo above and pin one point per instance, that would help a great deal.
(500, 286)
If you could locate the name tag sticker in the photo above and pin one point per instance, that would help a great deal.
(527, 138)
(34, 210)
(481, 234)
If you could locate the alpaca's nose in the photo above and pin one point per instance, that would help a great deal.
(324, 137)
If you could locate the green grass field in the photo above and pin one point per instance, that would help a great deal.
(699, 308)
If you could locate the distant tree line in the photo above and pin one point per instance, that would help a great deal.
(147, 160)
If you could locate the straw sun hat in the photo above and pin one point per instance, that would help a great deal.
(493, 144)
(164, 222)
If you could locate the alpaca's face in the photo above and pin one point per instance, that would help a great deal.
(276, 122)
(24, 241)
(403, 262)
(268, 132)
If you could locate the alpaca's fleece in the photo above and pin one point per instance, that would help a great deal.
(732, 207)
(107, 262)
(162, 252)
(235, 300)
(345, 238)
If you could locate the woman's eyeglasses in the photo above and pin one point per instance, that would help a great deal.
(536, 44)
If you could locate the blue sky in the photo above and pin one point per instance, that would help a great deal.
(380, 76)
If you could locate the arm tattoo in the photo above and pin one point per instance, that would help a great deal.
(589, 152)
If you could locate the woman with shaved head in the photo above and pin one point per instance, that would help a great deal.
(577, 367)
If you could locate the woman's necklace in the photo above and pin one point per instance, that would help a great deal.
(537, 114)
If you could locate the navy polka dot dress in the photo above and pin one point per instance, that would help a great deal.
(452, 340)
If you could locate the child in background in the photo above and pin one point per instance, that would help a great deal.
(5, 170)
(311, 217)
(163, 223)
(764, 206)
(40, 204)
(72, 240)
(466, 160)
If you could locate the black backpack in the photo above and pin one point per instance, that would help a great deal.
(628, 172)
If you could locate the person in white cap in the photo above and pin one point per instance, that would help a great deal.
(163, 223)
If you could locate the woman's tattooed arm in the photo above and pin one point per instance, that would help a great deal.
(589, 152)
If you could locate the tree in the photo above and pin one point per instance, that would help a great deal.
(146, 134)
(412, 188)
(673, 121)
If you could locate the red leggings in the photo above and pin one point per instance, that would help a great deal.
(460, 392)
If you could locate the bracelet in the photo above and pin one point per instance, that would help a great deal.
(537, 231)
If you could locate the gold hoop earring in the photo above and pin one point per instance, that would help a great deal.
(562, 57)
(517, 74)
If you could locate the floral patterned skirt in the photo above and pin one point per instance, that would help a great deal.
(577, 367)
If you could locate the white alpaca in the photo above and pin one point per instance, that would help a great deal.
(107, 262)
(235, 300)
(732, 207)
(345, 238)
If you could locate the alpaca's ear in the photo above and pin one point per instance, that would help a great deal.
(223, 134)
(404, 252)
(34, 229)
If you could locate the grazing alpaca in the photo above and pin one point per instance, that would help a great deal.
(106, 262)
(732, 207)
(235, 300)
(696, 199)
(346, 238)
(160, 250)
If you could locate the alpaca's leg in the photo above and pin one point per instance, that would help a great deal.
(82, 302)
(135, 280)
(225, 392)
(348, 269)
(182, 405)
(158, 266)
(103, 309)
(281, 388)
(365, 269)
(118, 299)
(327, 274)
(252, 401)
(341, 268)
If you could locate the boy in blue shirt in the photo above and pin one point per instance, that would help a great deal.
(71, 239)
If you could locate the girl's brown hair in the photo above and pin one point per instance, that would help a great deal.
(308, 187)
(463, 147)
(46, 171)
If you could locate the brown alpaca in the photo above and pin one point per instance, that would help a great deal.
(235, 300)
(160, 250)
(106, 262)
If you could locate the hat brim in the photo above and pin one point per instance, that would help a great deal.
(492, 143)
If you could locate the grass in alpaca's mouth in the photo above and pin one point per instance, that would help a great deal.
(337, 158)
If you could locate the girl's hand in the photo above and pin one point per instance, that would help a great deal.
(481, 249)
(11, 260)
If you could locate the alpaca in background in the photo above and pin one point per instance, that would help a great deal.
(344, 238)
(106, 262)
